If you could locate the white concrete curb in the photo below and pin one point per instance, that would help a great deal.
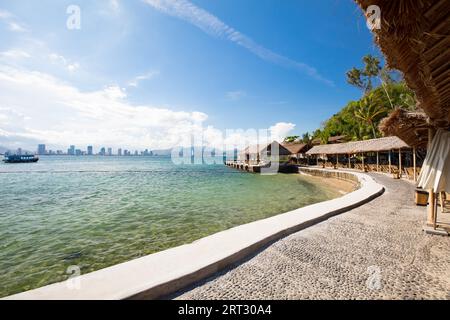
(165, 272)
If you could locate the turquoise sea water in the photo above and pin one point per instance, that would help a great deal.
(94, 212)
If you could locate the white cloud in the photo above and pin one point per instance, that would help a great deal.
(281, 130)
(115, 92)
(212, 25)
(61, 60)
(15, 54)
(149, 75)
(235, 95)
(114, 5)
(111, 8)
(38, 107)
(5, 14)
(11, 22)
(14, 26)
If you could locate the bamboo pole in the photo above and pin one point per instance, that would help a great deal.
(400, 163)
(363, 162)
(378, 162)
(390, 162)
(431, 207)
(414, 164)
(349, 162)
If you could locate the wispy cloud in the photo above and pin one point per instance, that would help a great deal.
(36, 106)
(110, 8)
(114, 5)
(236, 95)
(12, 22)
(213, 26)
(149, 75)
(15, 54)
(61, 60)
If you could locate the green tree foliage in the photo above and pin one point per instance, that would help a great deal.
(359, 120)
(291, 139)
(369, 110)
(306, 139)
(364, 78)
(382, 93)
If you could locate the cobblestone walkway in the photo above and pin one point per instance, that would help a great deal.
(377, 251)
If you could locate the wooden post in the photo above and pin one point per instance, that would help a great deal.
(414, 164)
(431, 207)
(363, 169)
(390, 162)
(378, 162)
(337, 161)
(431, 133)
(349, 162)
(317, 159)
(400, 163)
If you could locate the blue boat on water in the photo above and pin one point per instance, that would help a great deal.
(20, 158)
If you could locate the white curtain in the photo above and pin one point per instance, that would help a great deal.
(435, 173)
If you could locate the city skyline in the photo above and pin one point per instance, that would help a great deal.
(87, 151)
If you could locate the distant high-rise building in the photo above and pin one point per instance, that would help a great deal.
(41, 149)
(136, 153)
(90, 151)
(109, 151)
(119, 152)
(78, 152)
(102, 151)
(71, 151)
(125, 152)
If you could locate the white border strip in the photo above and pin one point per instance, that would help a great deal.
(166, 272)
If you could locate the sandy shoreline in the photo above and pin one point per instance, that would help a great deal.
(332, 184)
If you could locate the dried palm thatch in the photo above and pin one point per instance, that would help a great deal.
(295, 148)
(415, 39)
(373, 145)
(265, 149)
(411, 127)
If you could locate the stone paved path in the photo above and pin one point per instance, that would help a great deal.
(377, 251)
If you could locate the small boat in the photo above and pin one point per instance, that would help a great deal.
(20, 158)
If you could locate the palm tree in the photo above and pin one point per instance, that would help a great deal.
(368, 111)
(291, 139)
(306, 139)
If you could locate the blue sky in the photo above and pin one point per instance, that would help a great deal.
(226, 64)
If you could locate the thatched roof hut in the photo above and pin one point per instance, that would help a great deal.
(265, 149)
(374, 145)
(295, 148)
(335, 139)
(414, 37)
(411, 127)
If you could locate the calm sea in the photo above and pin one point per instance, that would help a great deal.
(94, 212)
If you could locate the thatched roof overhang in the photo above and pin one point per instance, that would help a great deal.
(415, 39)
(259, 149)
(411, 127)
(295, 148)
(374, 145)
